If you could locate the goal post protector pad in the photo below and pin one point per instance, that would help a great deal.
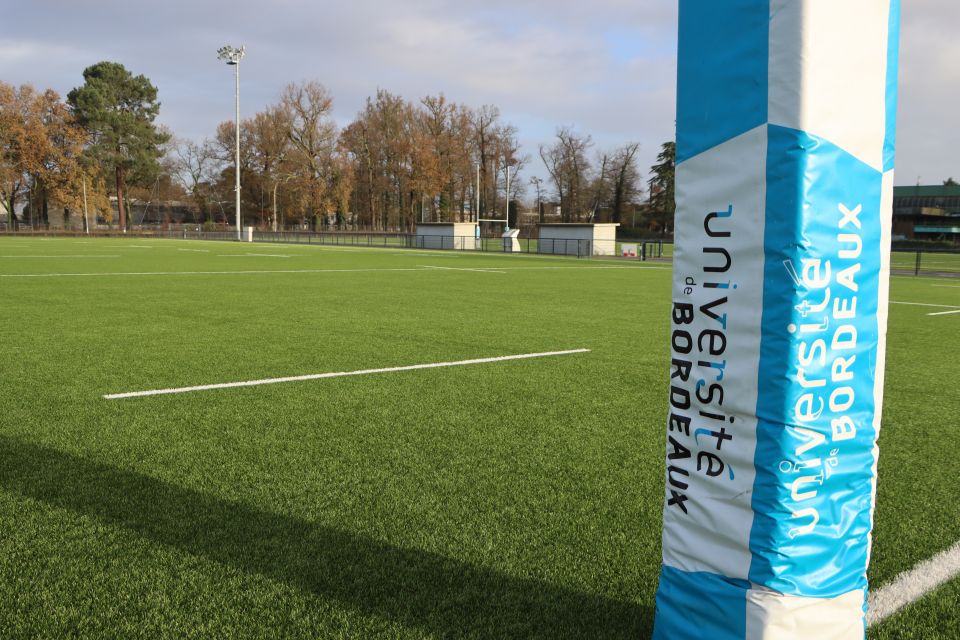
(784, 180)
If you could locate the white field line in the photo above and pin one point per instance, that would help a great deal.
(196, 250)
(910, 586)
(84, 255)
(923, 277)
(621, 267)
(420, 254)
(927, 304)
(946, 286)
(274, 271)
(479, 270)
(466, 253)
(197, 273)
(340, 374)
(944, 313)
(252, 255)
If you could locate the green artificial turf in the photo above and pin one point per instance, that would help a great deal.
(516, 499)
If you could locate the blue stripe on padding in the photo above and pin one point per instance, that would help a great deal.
(697, 605)
(721, 72)
(812, 491)
(893, 64)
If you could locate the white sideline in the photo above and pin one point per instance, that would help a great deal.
(912, 585)
(339, 374)
(479, 269)
(85, 255)
(252, 255)
(927, 304)
(260, 271)
(196, 273)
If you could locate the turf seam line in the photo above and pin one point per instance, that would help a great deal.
(340, 374)
(910, 586)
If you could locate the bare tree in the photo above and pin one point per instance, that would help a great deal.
(194, 166)
(600, 186)
(625, 180)
(313, 136)
(484, 136)
(566, 161)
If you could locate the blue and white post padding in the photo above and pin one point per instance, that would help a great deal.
(784, 179)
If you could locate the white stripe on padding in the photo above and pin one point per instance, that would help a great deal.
(912, 585)
(339, 374)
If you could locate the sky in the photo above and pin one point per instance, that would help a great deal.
(605, 67)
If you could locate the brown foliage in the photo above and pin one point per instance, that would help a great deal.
(41, 153)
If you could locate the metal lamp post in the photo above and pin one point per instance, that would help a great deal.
(233, 57)
(536, 181)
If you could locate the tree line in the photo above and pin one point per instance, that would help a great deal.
(396, 163)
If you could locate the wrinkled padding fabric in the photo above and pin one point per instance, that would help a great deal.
(785, 137)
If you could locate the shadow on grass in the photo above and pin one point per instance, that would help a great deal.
(431, 592)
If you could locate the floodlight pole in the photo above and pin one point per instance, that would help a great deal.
(233, 57)
(236, 165)
(506, 224)
(476, 215)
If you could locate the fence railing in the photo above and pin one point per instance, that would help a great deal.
(641, 249)
(629, 249)
(926, 262)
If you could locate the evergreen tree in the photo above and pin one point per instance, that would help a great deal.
(118, 109)
(662, 203)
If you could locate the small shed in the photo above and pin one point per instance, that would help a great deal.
(579, 239)
(447, 235)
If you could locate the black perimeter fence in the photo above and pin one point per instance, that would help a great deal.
(916, 260)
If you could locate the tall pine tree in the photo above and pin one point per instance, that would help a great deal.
(662, 203)
(118, 109)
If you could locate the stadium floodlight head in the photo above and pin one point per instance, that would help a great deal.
(230, 55)
(233, 57)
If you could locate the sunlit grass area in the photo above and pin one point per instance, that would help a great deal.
(512, 499)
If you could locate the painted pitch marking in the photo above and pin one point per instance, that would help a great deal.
(480, 270)
(910, 586)
(252, 255)
(340, 374)
(198, 273)
(927, 304)
(275, 271)
(84, 255)
(420, 254)
(944, 313)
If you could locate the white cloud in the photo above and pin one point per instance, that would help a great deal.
(608, 66)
